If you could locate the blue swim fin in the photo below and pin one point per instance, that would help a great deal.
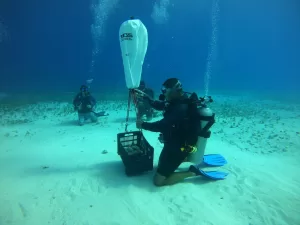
(214, 160)
(214, 175)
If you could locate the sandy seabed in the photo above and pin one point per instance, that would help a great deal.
(53, 171)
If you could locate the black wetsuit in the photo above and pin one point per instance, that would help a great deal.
(81, 102)
(173, 128)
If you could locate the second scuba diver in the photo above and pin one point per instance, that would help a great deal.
(84, 103)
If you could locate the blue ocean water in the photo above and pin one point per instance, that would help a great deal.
(245, 53)
(49, 45)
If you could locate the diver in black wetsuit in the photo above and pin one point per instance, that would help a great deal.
(84, 104)
(176, 127)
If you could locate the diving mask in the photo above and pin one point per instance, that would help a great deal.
(84, 89)
(167, 90)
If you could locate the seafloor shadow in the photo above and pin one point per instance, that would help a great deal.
(199, 180)
(111, 173)
(69, 123)
(195, 180)
(75, 123)
(123, 120)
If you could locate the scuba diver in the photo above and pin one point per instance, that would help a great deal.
(180, 129)
(143, 106)
(84, 103)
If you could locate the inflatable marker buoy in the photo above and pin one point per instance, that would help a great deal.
(133, 37)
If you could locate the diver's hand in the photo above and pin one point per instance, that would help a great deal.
(141, 94)
(139, 124)
(77, 107)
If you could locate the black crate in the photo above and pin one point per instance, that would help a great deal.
(136, 152)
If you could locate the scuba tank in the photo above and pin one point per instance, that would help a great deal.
(206, 118)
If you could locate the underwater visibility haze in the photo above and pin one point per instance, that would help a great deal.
(52, 45)
(92, 124)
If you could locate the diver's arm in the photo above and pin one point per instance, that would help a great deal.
(150, 92)
(76, 100)
(93, 101)
(157, 105)
(165, 123)
(154, 127)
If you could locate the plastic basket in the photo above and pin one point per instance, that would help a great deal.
(136, 153)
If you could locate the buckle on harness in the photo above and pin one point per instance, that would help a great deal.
(189, 149)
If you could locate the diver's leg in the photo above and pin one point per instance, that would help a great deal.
(93, 117)
(174, 178)
(186, 159)
(80, 119)
(169, 161)
(149, 114)
(140, 110)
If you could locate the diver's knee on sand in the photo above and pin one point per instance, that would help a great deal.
(93, 117)
(159, 180)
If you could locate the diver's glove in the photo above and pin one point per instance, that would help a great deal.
(141, 94)
(77, 107)
(139, 124)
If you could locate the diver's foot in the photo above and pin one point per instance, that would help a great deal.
(194, 169)
(213, 175)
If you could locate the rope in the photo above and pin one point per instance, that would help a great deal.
(135, 101)
(128, 109)
(131, 96)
